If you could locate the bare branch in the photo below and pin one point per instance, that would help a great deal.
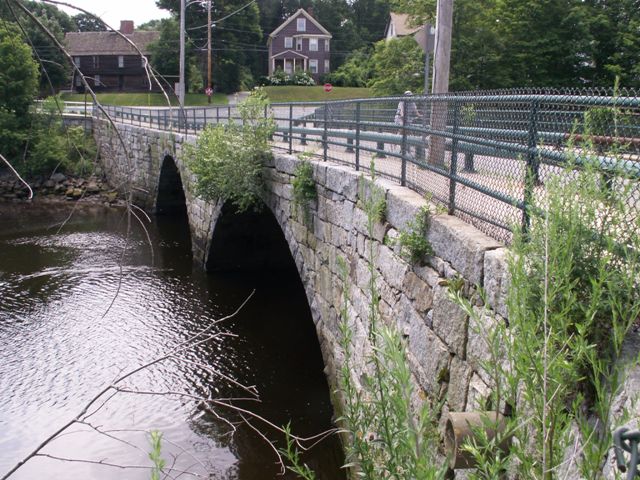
(17, 175)
(176, 349)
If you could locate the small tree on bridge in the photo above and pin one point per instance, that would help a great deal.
(227, 159)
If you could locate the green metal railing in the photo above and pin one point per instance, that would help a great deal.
(485, 156)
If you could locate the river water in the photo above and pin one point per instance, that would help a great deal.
(82, 305)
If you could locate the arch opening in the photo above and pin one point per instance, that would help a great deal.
(170, 209)
(171, 198)
(248, 241)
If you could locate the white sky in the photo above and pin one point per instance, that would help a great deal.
(112, 11)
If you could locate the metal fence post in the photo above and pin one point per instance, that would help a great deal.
(357, 136)
(531, 176)
(290, 129)
(403, 149)
(453, 168)
(324, 135)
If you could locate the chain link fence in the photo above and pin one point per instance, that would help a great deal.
(484, 156)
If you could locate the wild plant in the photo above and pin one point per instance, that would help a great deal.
(228, 159)
(572, 300)
(386, 437)
(304, 189)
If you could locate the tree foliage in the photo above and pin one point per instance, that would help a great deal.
(236, 41)
(87, 23)
(559, 43)
(18, 71)
(53, 64)
(398, 65)
(227, 159)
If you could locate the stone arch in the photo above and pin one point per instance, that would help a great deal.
(251, 240)
(170, 197)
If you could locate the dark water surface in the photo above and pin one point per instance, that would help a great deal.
(58, 349)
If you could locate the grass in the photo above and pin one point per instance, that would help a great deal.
(146, 99)
(291, 93)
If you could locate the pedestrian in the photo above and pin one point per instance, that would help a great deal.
(412, 110)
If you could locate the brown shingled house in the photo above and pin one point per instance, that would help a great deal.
(300, 43)
(109, 62)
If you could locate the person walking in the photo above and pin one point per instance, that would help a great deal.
(412, 111)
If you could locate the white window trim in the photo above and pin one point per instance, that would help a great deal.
(313, 63)
(301, 24)
(313, 44)
(288, 42)
(326, 44)
(298, 44)
(326, 66)
(76, 61)
(120, 61)
(96, 80)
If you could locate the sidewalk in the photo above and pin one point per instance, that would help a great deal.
(237, 97)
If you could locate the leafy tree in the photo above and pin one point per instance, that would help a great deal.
(52, 61)
(151, 25)
(370, 18)
(614, 27)
(18, 86)
(87, 23)
(238, 49)
(356, 71)
(398, 65)
(18, 71)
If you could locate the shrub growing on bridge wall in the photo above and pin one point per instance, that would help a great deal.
(227, 159)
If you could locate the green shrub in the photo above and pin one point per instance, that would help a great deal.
(304, 189)
(227, 159)
(412, 240)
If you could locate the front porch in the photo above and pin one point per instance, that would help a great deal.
(288, 62)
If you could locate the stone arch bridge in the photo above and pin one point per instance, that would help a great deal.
(445, 354)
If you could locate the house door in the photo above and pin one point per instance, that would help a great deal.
(120, 82)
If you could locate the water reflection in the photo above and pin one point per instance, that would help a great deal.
(58, 348)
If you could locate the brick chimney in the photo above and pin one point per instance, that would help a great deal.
(310, 11)
(126, 27)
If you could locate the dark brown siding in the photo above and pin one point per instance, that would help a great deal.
(130, 77)
(277, 43)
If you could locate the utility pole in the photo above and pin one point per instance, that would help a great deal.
(441, 63)
(442, 60)
(209, 79)
(181, 88)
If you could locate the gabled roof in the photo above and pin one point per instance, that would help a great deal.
(289, 52)
(108, 43)
(400, 22)
(294, 16)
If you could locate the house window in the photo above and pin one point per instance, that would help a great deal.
(326, 66)
(76, 61)
(326, 44)
(78, 81)
(288, 42)
(143, 62)
(313, 44)
(299, 44)
(96, 61)
(96, 81)
(288, 66)
(302, 25)
(120, 61)
(313, 66)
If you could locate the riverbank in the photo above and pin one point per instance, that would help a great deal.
(58, 187)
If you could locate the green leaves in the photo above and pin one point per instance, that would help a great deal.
(18, 71)
(227, 159)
